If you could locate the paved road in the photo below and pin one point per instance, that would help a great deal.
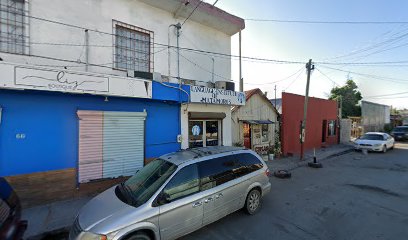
(354, 196)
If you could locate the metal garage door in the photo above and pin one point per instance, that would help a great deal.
(111, 144)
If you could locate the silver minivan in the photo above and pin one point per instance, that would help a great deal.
(176, 194)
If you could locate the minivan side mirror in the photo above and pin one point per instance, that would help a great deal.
(163, 198)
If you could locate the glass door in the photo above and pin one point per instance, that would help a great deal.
(204, 133)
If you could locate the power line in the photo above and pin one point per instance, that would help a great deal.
(283, 79)
(323, 22)
(294, 80)
(192, 12)
(386, 95)
(383, 78)
(328, 77)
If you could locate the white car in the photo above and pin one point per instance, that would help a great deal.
(374, 141)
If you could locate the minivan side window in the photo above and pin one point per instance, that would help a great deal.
(216, 171)
(247, 163)
(184, 183)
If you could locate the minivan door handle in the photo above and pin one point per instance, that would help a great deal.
(197, 204)
(208, 200)
(218, 195)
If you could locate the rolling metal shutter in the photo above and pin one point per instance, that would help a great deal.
(111, 144)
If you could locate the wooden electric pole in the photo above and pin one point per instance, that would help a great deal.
(309, 68)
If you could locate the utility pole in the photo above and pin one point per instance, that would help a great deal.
(275, 107)
(309, 68)
(241, 80)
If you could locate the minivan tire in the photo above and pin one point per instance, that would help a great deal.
(253, 202)
(139, 236)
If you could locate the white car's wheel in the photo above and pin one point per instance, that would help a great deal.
(384, 149)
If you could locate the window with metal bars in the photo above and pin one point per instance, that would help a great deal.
(133, 47)
(13, 38)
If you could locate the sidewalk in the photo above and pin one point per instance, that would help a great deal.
(290, 163)
(51, 217)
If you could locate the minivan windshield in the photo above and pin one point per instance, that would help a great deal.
(141, 186)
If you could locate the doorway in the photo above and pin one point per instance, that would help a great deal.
(324, 130)
(247, 135)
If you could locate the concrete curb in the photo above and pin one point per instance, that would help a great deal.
(293, 166)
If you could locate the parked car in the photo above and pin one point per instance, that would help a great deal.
(400, 133)
(176, 194)
(374, 141)
(11, 225)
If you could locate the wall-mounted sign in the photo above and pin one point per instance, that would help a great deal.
(50, 79)
(199, 94)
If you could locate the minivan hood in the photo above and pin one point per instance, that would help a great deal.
(100, 208)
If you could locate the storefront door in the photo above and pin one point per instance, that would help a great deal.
(204, 133)
(247, 135)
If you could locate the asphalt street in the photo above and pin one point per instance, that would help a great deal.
(355, 196)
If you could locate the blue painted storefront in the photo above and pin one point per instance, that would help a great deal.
(39, 130)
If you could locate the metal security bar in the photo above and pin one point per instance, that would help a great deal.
(132, 47)
(14, 26)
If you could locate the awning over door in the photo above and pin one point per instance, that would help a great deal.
(206, 115)
(258, 121)
(111, 144)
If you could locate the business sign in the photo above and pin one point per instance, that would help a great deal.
(60, 80)
(199, 94)
(50, 79)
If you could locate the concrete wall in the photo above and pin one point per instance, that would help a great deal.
(255, 108)
(345, 130)
(374, 116)
(292, 115)
(98, 15)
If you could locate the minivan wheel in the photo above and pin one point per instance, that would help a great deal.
(139, 236)
(253, 201)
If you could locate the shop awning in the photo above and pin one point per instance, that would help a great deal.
(206, 115)
(258, 121)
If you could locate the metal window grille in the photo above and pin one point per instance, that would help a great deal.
(13, 26)
(133, 47)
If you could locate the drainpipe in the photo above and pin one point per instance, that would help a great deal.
(241, 81)
(86, 50)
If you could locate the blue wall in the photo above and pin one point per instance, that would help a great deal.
(50, 125)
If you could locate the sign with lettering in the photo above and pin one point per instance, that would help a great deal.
(30, 77)
(199, 94)
(60, 80)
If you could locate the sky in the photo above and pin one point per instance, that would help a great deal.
(366, 53)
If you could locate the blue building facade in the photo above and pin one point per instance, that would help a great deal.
(39, 131)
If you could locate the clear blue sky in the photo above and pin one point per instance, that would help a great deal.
(332, 43)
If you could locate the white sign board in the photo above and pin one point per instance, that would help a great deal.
(199, 94)
(48, 79)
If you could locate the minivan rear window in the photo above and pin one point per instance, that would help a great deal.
(220, 170)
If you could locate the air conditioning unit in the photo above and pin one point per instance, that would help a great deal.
(225, 85)
(157, 77)
(138, 74)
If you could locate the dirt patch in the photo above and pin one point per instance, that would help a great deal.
(374, 189)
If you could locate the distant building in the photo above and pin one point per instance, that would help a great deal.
(374, 116)
(278, 104)
(321, 125)
(253, 125)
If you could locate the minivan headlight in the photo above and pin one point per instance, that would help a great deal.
(93, 236)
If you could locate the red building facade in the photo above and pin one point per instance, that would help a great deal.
(321, 123)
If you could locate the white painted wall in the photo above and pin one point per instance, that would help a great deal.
(98, 15)
(226, 122)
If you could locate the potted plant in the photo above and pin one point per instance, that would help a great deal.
(271, 153)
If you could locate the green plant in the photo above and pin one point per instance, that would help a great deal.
(277, 148)
(387, 127)
(238, 144)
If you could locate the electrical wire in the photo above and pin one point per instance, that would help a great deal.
(327, 77)
(192, 12)
(323, 22)
(294, 80)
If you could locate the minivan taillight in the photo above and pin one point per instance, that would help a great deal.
(267, 172)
